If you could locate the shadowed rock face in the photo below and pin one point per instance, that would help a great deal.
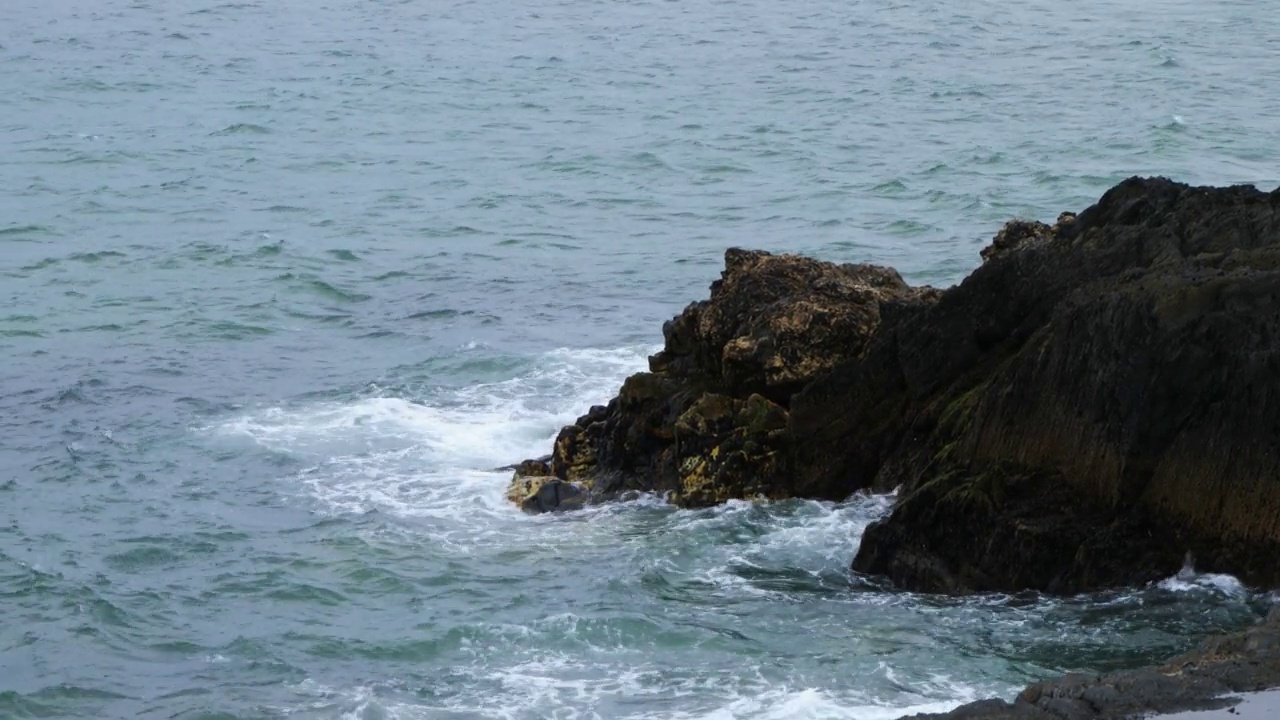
(1096, 400)
(1085, 408)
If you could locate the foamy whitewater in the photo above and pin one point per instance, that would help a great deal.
(641, 610)
(282, 284)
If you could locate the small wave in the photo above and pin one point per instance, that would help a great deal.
(41, 264)
(440, 314)
(1213, 582)
(908, 228)
(47, 702)
(24, 233)
(93, 257)
(241, 129)
(344, 255)
(141, 559)
(320, 287)
(791, 551)
(228, 330)
(335, 292)
(306, 593)
(1187, 580)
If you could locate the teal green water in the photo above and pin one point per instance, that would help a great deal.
(282, 282)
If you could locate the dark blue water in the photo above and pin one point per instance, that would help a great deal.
(282, 282)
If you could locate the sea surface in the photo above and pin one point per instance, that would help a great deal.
(282, 282)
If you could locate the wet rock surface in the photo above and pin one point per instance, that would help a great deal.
(1097, 399)
(1205, 678)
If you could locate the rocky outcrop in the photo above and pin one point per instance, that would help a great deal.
(1099, 398)
(1202, 679)
(708, 422)
(1085, 408)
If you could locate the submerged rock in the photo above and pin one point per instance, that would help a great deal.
(1099, 398)
(1202, 679)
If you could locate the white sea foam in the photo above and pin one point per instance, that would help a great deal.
(750, 540)
(430, 463)
(1189, 580)
(434, 462)
(815, 533)
(1212, 582)
(809, 704)
(473, 428)
(561, 687)
(436, 458)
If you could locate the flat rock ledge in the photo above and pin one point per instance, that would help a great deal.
(1099, 398)
(1211, 676)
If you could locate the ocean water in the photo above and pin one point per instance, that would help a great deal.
(282, 282)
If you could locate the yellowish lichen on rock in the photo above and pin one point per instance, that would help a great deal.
(573, 458)
(523, 487)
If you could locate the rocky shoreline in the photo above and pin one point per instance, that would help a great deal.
(1096, 402)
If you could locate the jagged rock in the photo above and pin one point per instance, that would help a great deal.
(1017, 234)
(708, 422)
(1097, 399)
(775, 322)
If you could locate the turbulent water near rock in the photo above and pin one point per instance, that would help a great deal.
(283, 282)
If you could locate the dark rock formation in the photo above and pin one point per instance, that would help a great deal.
(1096, 400)
(1202, 679)
(1083, 409)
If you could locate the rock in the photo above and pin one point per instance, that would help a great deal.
(554, 495)
(728, 448)
(708, 422)
(1097, 399)
(536, 490)
(1198, 680)
(1018, 234)
(525, 483)
(1083, 410)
